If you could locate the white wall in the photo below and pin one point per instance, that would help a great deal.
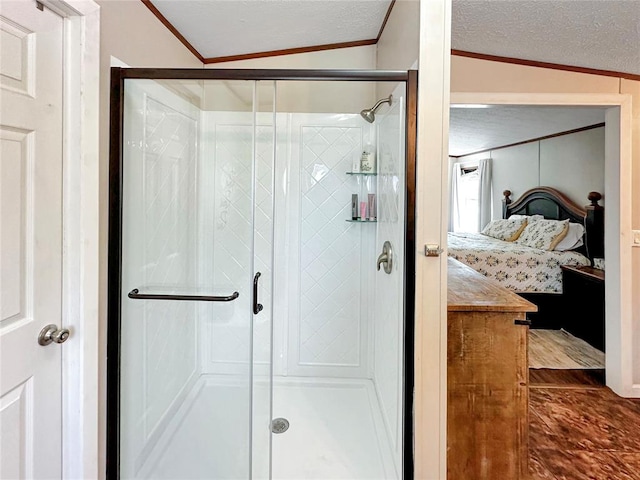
(319, 97)
(397, 48)
(573, 164)
(516, 169)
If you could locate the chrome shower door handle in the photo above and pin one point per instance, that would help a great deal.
(257, 307)
(386, 257)
(382, 258)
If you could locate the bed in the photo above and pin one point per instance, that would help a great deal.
(517, 267)
(532, 273)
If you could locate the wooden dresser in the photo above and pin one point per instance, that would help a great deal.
(487, 419)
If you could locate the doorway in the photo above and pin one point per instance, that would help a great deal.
(618, 332)
(525, 148)
(256, 323)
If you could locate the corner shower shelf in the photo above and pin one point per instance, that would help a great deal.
(362, 173)
(360, 221)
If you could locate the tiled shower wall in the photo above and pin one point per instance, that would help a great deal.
(159, 339)
(228, 244)
(334, 315)
(389, 289)
(331, 270)
(324, 264)
(188, 226)
(330, 249)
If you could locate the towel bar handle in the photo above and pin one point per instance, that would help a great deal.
(135, 294)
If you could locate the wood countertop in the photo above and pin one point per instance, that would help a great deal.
(470, 291)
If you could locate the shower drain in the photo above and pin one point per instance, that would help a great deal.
(279, 425)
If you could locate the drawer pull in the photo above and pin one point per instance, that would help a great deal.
(526, 322)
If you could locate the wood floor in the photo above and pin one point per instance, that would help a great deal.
(547, 377)
(581, 430)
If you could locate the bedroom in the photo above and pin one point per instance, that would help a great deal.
(518, 148)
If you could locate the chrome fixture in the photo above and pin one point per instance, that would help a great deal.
(370, 114)
(51, 333)
(279, 425)
(386, 257)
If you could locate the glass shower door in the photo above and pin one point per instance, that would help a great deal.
(242, 284)
(195, 347)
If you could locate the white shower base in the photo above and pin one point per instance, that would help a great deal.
(336, 432)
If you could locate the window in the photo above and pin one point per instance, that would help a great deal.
(468, 200)
(470, 195)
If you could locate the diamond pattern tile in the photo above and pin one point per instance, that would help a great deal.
(230, 340)
(330, 249)
(168, 234)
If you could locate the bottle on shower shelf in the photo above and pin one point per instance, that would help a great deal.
(368, 159)
(354, 206)
(363, 211)
(372, 206)
(355, 167)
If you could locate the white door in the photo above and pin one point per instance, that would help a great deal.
(30, 239)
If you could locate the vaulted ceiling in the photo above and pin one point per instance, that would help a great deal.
(596, 34)
(601, 35)
(219, 29)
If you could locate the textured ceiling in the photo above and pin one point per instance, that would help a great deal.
(596, 34)
(600, 34)
(476, 129)
(220, 28)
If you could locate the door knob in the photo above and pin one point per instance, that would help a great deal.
(386, 257)
(51, 333)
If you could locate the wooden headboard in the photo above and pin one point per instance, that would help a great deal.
(552, 204)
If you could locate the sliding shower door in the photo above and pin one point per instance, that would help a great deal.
(195, 326)
(260, 277)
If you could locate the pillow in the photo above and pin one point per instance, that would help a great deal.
(544, 234)
(505, 229)
(573, 239)
(529, 218)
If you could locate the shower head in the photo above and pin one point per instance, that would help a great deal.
(370, 114)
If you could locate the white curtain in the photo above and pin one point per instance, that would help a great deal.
(484, 193)
(454, 204)
(470, 196)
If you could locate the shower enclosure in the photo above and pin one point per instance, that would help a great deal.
(257, 329)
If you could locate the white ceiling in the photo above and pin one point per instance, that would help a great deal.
(600, 34)
(476, 129)
(597, 34)
(220, 28)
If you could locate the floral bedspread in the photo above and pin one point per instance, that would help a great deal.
(516, 267)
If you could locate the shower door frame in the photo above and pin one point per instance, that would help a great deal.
(114, 282)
